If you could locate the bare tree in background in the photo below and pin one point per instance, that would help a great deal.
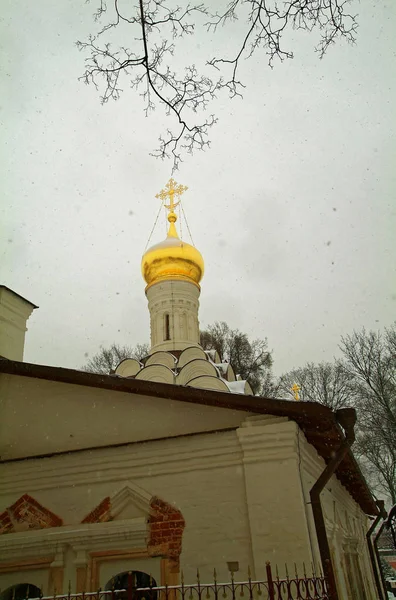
(366, 379)
(370, 359)
(327, 383)
(155, 26)
(250, 359)
(107, 359)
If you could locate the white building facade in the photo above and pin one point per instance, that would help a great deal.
(167, 465)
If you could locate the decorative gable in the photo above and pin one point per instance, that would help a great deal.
(6, 525)
(165, 522)
(27, 513)
(100, 514)
(130, 502)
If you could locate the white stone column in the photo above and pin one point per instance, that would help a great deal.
(173, 307)
(80, 565)
(274, 493)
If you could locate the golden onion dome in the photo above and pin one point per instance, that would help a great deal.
(172, 259)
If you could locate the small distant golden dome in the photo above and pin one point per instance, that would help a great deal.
(172, 259)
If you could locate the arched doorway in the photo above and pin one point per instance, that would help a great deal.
(133, 580)
(21, 591)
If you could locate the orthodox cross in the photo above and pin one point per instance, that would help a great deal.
(295, 389)
(171, 190)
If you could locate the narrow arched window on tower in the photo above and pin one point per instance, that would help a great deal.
(166, 327)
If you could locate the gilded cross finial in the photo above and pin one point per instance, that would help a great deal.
(295, 389)
(171, 190)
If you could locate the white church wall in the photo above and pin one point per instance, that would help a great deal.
(243, 493)
(239, 492)
(201, 475)
(217, 530)
(49, 416)
(346, 525)
(273, 489)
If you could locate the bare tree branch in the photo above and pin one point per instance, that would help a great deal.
(181, 95)
(251, 360)
(107, 359)
(327, 383)
(365, 379)
(267, 23)
(370, 359)
(158, 25)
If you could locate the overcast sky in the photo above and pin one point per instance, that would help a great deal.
(293, 207)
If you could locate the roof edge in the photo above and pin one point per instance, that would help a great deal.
(5, 287)
(116, 383)
(313, 418)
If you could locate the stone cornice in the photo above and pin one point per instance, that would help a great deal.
(268, 439)
(121, 464)
(98, 536)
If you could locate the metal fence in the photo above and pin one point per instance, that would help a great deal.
(307, 587)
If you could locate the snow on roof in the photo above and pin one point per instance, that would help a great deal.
(237, 387)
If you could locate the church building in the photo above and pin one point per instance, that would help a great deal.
(170, 464)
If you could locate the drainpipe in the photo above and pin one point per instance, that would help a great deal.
(346, 417)
(376, 566)
(377, 535)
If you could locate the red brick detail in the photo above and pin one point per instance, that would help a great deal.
(100, 514)
(6, 525)
(166, 530)
(27, 511)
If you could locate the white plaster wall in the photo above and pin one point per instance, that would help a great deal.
(243, 493)
(40, 417)
(179, 299)
(346, 523)
(201, 475)
(239, 491)
(14, 313)
(274, 494)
